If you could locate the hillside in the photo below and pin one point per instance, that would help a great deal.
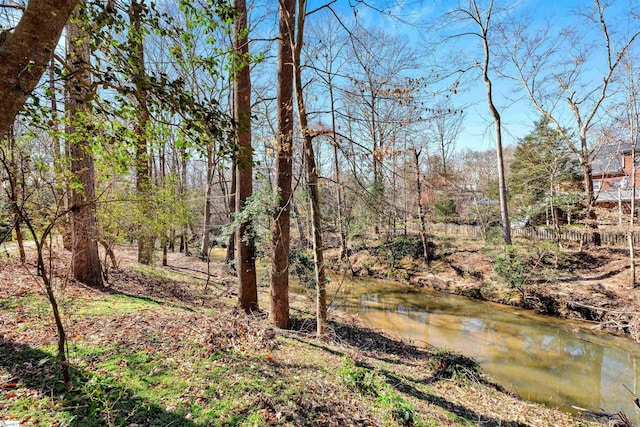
(155, 348)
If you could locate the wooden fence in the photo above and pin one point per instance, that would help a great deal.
(608, 238)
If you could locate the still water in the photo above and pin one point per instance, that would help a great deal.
(542, 359)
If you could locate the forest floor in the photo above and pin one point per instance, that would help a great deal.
(592, 284)
(162, 346)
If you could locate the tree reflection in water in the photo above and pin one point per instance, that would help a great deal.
(540, 358)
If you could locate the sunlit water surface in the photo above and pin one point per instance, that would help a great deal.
(542, 359)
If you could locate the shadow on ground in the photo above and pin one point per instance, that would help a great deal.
(93, 401)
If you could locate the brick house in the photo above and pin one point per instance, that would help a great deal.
(611, 173)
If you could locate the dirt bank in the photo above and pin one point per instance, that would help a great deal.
(591, 285)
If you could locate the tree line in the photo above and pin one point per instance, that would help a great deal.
(185, 123)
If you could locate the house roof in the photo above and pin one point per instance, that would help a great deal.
(609, 159)
(607, 196)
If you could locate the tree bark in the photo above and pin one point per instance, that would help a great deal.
(312, 179)
(206, 223)
(14, 173)
(246, 263)
(143, 174)
(26, 51)
(592, 217)
(230, 254)
(284, 166)
(86, 260)
(504, 210)
(426, 248)
(336, 165)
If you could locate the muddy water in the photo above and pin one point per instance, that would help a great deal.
(541, 359)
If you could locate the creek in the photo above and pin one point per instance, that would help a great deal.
(542, 359)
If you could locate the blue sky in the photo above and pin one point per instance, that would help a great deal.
(518, 115)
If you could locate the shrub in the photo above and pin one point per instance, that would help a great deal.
(445, 210)
(510, 268)
(302, 267)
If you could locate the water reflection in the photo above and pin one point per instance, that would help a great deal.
(539, 358)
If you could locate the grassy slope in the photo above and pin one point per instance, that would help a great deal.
(156, 349)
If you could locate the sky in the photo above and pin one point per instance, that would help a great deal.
(517, 113)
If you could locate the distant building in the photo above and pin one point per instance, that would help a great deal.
(611, 173)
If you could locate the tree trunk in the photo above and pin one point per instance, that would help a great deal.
(504, 210)
(206, 225)
(592, 217)
(246, 263)
(230, 254)
(60, 161)
(143, 173)
(426, 248)
(14, 186)
(312, 180)
(633, 117)
(304, 242)
(25, 52)
(109, 253)
(336, 165)
(284, 166)
(86, 260)
(62, 336)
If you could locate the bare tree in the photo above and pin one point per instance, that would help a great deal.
(632, 124)
(482, 21)
(327, 68)
(580, 81)
(443, 129)
(311, 175)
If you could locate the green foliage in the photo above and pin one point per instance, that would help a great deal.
(373, 383)
(542, 160)
(510, 267)
(257, 213)
(402, 246)
(445, 210)
(302, 267)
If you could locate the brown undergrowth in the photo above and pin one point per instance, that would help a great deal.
(158, 347)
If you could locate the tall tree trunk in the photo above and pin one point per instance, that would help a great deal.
(162, 160)
(304, 242)
(85, 261)
(206, 223)
(338, 177)
(284, 167)
(230, 254)
(426, 247)
(14, 186)
(143, 173)
(632, 252)
(25, 52)
(184, 238)
(502, 187)
(592, 217)
(312, 179)
(245, 250)
(60, 161)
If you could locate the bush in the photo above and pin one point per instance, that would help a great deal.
(445, 211)
(510, 268)
(302, 267)
(399, 247)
